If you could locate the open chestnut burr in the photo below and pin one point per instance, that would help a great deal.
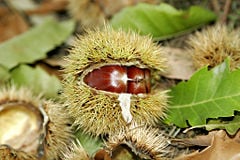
(31, 127)
(107, 81)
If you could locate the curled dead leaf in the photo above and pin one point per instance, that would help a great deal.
(180, 64)
(11, 24)
(49, 6)
(201, 140)
(223, 147)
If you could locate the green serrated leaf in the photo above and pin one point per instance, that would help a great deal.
(34, 44)
(208, 94)
(161, 21)
(36, 79)
(231, 126)
(90, 144)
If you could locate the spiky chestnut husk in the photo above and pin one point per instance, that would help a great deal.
(144, 141)
(213, 45)
(58, 131)
(98, 112)
(95, 13)
(51, 132)
(8, 153)
(75, 152)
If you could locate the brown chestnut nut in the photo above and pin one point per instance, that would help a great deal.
(139, 80)
(108, 78)
(119, 79)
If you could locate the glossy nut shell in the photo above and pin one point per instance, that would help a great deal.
(31, 127)
(119, 79)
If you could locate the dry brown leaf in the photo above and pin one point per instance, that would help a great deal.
(202, 140)
(49, 6)
(56, 61)
(3, 11)
(11, 24)
(180, 64)
(110, 8)
(222, 147)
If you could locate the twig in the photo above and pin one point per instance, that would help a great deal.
(227, 6)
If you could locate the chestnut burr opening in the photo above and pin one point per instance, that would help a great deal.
(21, 126)
(119, 79)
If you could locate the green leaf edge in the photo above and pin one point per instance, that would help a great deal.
(90, 144)
(120, 19)
(221, 68)
(33, 45)
(37, 79)
(231, 126)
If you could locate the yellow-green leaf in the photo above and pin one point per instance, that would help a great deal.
(161, 21)
(36, 79)
(89, 143)
(34, 44)
(207, 95)
(4, 74)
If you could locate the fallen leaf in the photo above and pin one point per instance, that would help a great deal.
(208, 94)
(11, 24)
(231, 125)
(37, 79)
(23, 4)
(161, 21)
(34, 44)
(49, 6)
(89, 143)
(222, 147)
(4, 74)
(201, 140)
(56, 71)
(110, 8)
(179, 63)
(3, 11)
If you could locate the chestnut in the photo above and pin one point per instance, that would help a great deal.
(108, 78)
(106, 84)
(119, 79)
(32, 127)
(139, 80)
